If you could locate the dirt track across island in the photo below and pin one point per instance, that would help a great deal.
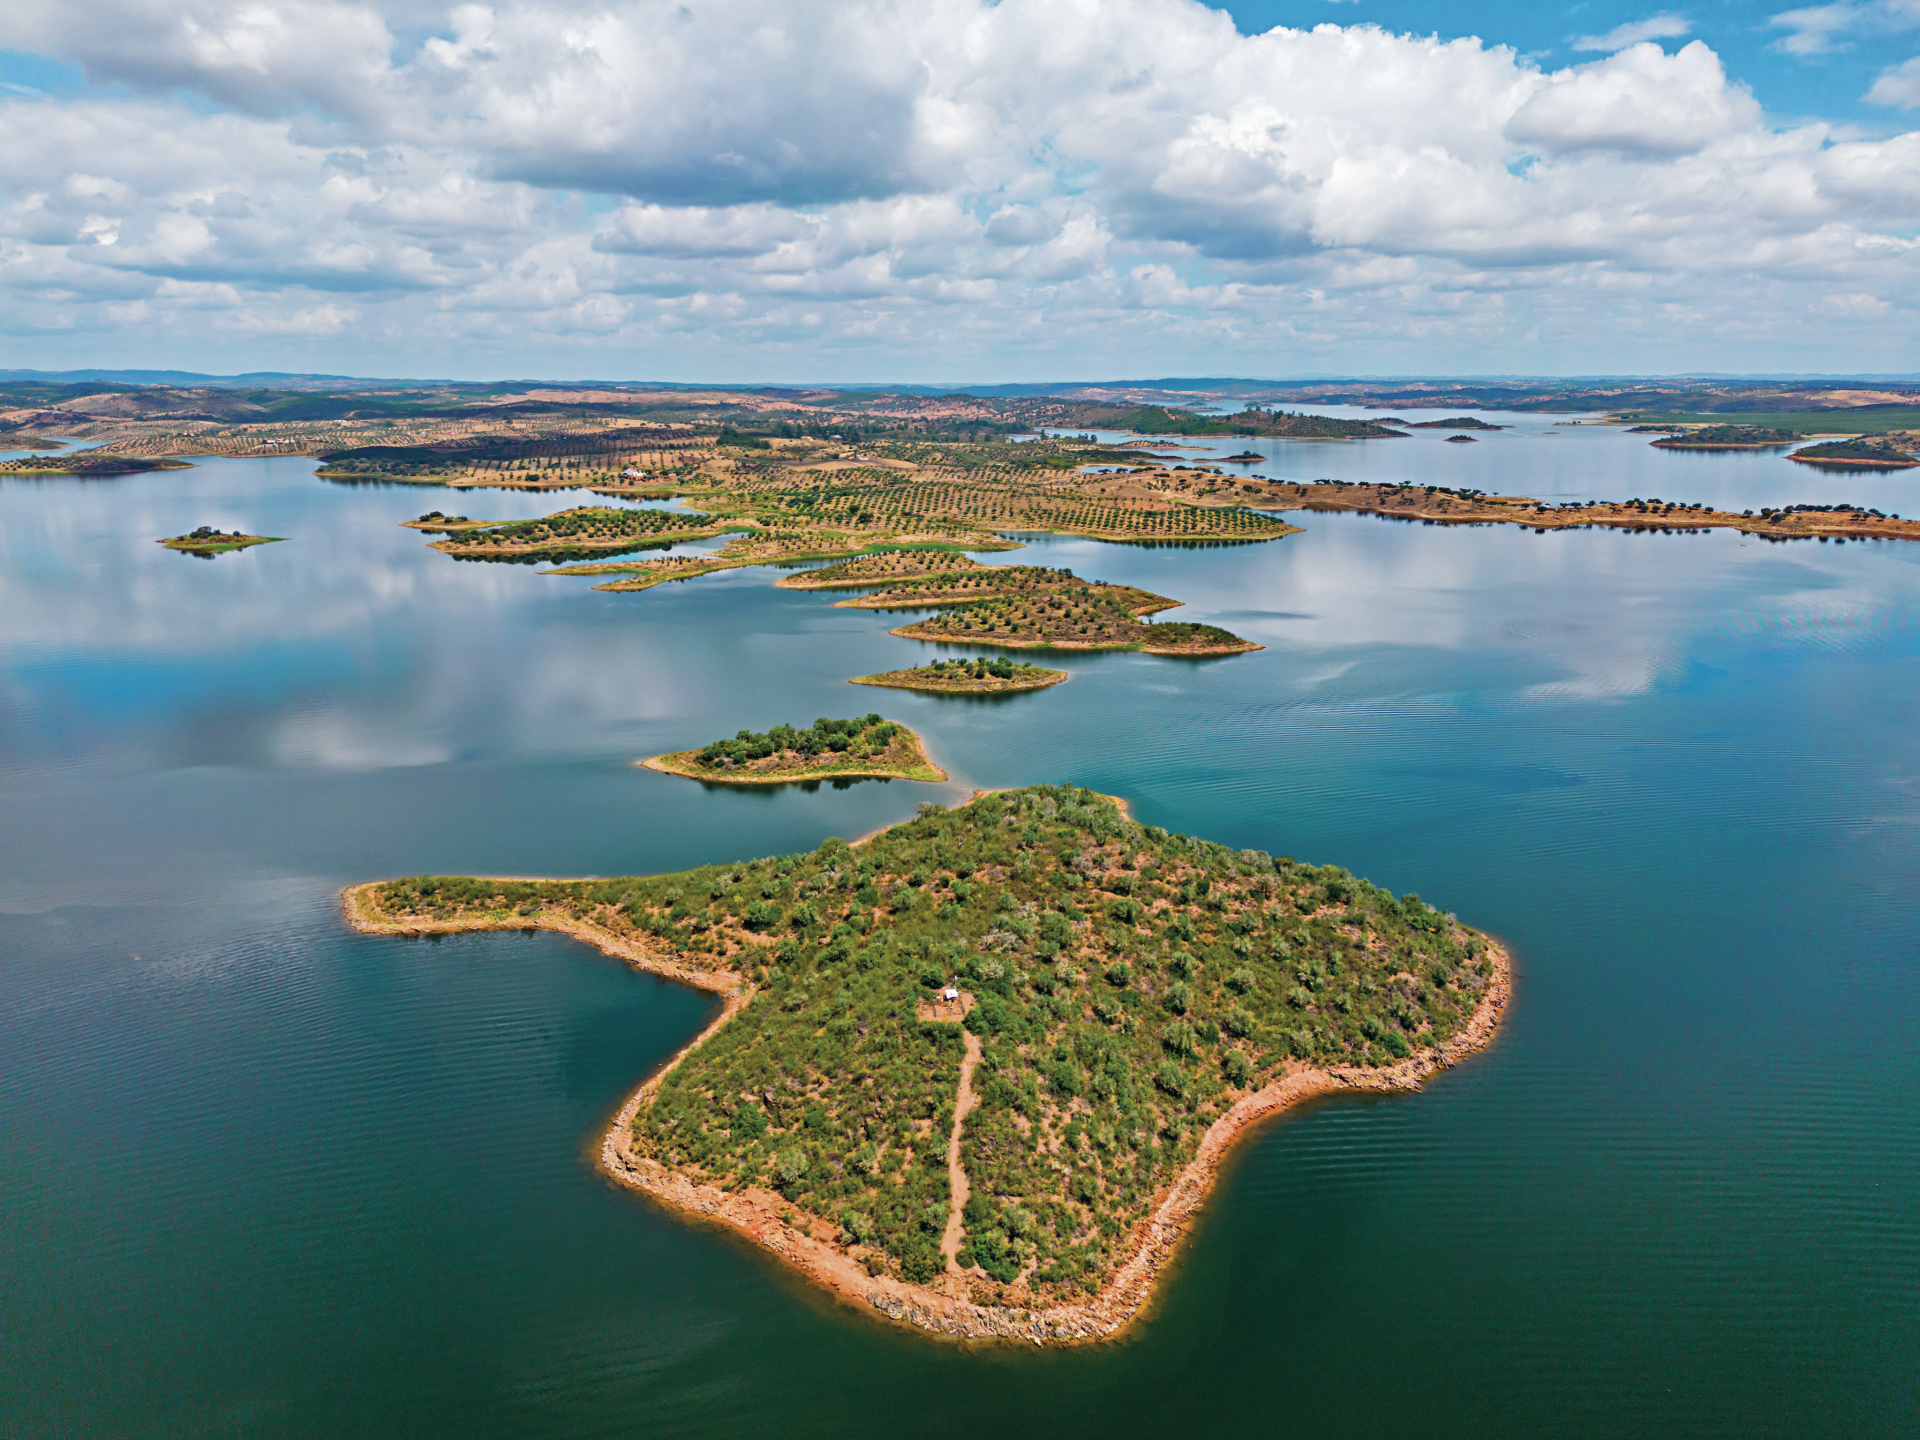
(958, 1190)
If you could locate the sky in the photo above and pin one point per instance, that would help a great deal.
(944, 191)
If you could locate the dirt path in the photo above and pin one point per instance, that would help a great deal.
(957, 1187)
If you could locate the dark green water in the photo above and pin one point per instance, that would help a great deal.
(264, 1176)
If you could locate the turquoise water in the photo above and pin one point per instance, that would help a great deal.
(267, 1176)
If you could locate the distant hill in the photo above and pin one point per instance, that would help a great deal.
(253, 380)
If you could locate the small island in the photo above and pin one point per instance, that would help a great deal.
(864, 748)
(981, 1071)
(1855, 455)
(1460, 440)
(433, 522)
(1728, 437)
(1027, 607)
(208, 541)
(978, 676)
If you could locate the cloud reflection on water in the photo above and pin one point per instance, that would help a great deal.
(353, 647)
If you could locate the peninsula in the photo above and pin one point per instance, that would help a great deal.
(1442, 505)
(1021, 1163)
(87, 463)
(581, 530)
(978, 676)
(208, 541)
(864, 748)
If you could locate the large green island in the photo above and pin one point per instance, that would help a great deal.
(864, 748)
(978, 1071)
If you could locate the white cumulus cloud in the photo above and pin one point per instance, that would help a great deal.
(1818, 29)
(1636, 32)
(1078, 182)
(1897, 85)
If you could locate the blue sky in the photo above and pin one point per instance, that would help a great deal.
(1828, 83)
(937, 190)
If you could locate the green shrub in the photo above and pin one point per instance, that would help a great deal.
(920, 1261)
(988, 1017)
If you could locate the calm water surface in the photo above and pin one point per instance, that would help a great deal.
(265, 1176)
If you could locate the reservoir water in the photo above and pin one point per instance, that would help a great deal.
(266, 1176)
